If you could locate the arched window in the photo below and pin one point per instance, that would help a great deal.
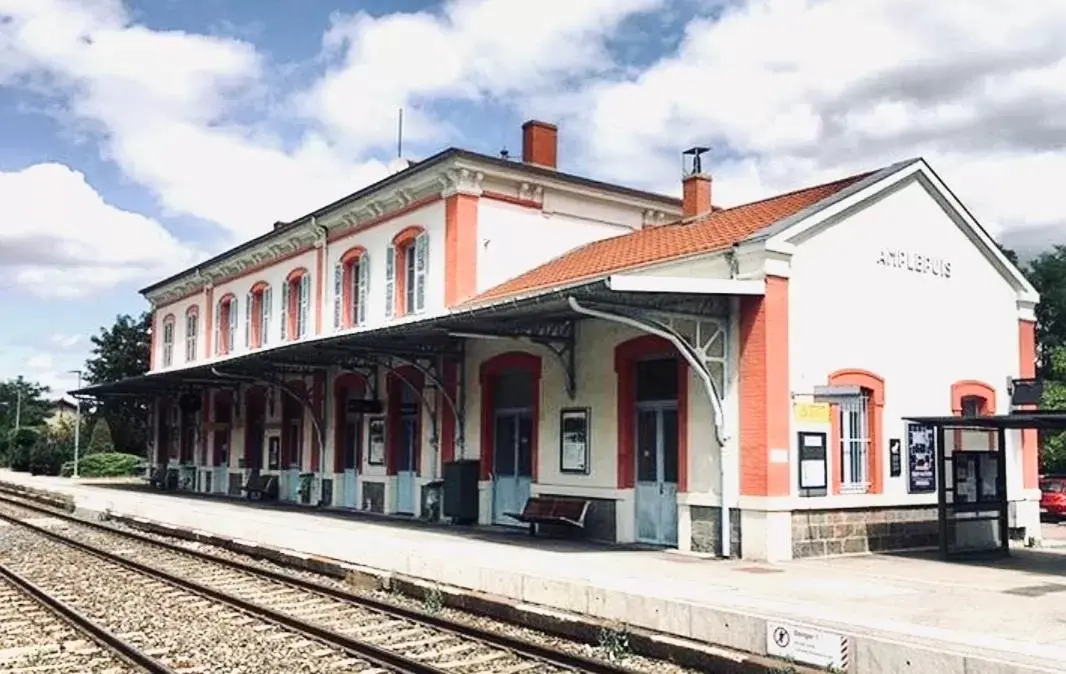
(856, 429)
(350, 282)
(257, 311)
(296, 305)
(192, 331)
(406, 264)
(226, 324)
(168, 340)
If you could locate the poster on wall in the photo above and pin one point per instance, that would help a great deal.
(813, 466)
(574, 449)
(921, 459)
(376, 442)
(273, 452)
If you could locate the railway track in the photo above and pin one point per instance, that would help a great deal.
(396, 637)
(39, 633)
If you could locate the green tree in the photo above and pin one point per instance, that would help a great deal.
(1047, 272)
(119, 352)
(1053, 445)
(25, 400)
(100, 440)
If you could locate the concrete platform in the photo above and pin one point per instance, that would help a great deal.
(899, 613)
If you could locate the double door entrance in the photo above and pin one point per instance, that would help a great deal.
(512, 461)
(656, 444)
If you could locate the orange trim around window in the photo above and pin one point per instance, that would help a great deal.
(402, 242)
(972, 388)
(348, 261)
(292, 311)
(874, 386)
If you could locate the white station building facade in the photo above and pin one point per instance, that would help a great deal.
(675, 364)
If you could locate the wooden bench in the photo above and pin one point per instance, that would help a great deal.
(158, 477)
(262, 487)
(566, 510)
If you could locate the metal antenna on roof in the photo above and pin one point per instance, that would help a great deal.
(399, 136)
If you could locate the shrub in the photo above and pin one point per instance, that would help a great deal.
(21, 443)
(47, 455)
(107, 464)
(100, 441)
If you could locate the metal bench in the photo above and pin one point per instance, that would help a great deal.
(158, 477)
(262, 487)
(568, 511)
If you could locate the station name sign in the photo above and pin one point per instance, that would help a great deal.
(914, 261)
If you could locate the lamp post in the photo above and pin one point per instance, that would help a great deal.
(77, 423)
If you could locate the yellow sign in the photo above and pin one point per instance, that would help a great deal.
(811, 413)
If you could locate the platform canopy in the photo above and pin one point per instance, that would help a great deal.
(1044, 420)
(545, 317)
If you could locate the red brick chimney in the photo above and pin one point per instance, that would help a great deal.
(540, 143)
(696, 194)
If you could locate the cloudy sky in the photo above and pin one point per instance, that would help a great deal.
(140, 136)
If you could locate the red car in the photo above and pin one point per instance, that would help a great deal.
(1053, 497)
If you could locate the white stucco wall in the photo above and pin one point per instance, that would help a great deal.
(513, 239)
(177, 310)
(920, 332)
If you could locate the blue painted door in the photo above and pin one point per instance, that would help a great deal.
(656, 488)
(353, 437)
(406, 473)
(512, 464)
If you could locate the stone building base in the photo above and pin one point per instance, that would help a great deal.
(820, 533)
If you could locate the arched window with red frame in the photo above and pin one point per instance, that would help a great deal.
(406, 265)
(296, 305)
(258, 308)
(226, 324)
(192, 333)
(168, 340)
(351, 277)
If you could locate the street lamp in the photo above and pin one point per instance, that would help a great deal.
(77, 423)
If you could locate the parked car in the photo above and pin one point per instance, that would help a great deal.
(1053, 497)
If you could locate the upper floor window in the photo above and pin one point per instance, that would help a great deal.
(350, 282)
(973, 406)
(226, 324)
(257, 310)
(192, 327)
(168, 340)
(406, 264)
(296, 305)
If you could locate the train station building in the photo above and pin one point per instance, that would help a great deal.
(473, 331)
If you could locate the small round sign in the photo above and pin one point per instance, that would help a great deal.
(781, 637)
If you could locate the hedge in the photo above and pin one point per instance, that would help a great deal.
(105, 464)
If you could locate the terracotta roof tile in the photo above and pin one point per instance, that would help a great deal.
(715, 231)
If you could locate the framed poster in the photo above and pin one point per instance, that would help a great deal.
(813, 463)
(376, 441)
(273, 452)
(895, 460)
(574, 440)
(921, 459)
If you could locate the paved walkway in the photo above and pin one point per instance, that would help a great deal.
(1012, 610)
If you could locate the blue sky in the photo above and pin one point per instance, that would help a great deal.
(140, 136)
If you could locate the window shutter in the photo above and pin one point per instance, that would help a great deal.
(305, 304)
(234, 311)
(390, 281)
(248, 320)
(218, 328)
(285, 310)
(268, 306)
(338, 293)
(364, 284)
(421, 266)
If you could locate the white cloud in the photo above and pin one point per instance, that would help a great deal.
(60, 239)
(793, 91)
(471, 50)
(64, 341)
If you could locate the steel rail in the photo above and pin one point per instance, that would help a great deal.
(546, 654)
(127, 652)
(360, 649)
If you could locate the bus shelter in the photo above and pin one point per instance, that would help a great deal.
(970, 458)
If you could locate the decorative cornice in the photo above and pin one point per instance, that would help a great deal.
(461, 181)
(531, 192)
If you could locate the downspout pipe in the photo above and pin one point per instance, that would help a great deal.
(708, 385)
